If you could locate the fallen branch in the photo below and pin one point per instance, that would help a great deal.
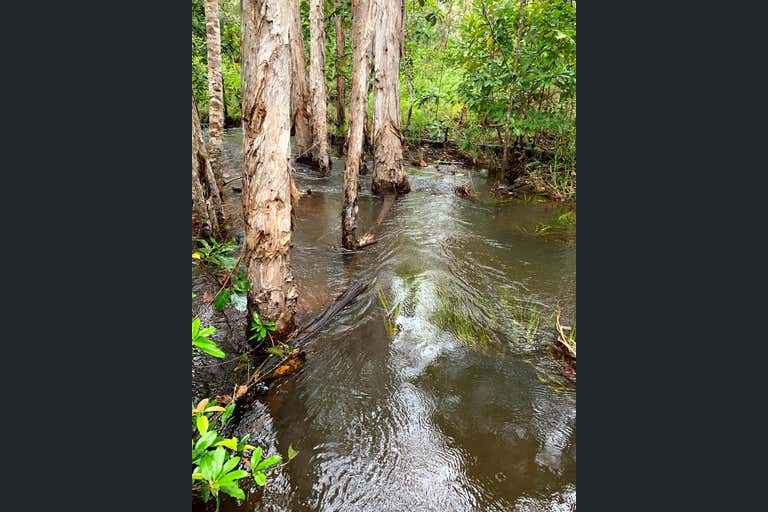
(562, 338)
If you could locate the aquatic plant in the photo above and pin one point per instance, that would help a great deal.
(451, 316)
(390, 314)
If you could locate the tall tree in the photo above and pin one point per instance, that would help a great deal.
(508, 121)
(341, 58)
(215, 90)
(358, 106)
(300, 99)
(388, 170)
(206, 195)
(317, 87)
(269, 193)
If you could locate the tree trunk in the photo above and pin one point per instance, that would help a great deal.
(317, 87)
(341, 58)
(358, 107)
(215, 90)
(300, 114)
(508, 135)
(388, 171)
(269, 193)
(206, 195)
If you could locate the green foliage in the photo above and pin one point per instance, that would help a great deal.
(260, 328)
(217, 461)
(221, 258)
(200, 339)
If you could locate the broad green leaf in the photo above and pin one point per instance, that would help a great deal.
(195, 327)
(218, 455)
(260, 478)
(222, 299)
(242, 442)
(234, 475)
(227, 413)
(206, 440)
(202, 424)
(233, 491)
(207, 467)
(291, 452)
(204, 333)
(229, 443)
(256, 457)
(230, 464)
(269, 461)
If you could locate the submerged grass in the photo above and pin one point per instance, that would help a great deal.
(451, 316)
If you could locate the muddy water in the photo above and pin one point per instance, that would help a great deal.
(465, 407)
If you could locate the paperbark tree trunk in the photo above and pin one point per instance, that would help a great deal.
(317, 87)
(358, 106)
(300, 99)
(388, 171)
(269, 193)
(206, 195)
(341, 57)
(215, 90)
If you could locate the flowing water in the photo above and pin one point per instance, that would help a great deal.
(464, 406)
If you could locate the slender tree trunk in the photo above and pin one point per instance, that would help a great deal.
(388, 170)
(508, 130)
(300, 106)
(341, 58)
(358, 106)
(317, 87)
(206, 195)
(215, 90)
(269, 193)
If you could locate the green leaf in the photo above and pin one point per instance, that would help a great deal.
(229, 443)
(291, 452)
(232, 476)
(239, 301)
(206, 332)
(260, 478)
(255, 457)
(222, 299)
(227, 413)
(209, 348)
(218, 456)
(202, 424)
(241, 285)
(269, 461)
(195, 327)
(206, 440)
(242, 442)
(233, 491)
(207, 467)
(230, 464)
(276, 351)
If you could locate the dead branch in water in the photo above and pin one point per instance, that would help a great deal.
(288, 364)
(564, 340)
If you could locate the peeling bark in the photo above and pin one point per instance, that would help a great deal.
(215, 90)
(358, 106)
(269, 193)
(341, 57)
(317, 87)
(388, 171)
(206, 195)
(300, 99)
